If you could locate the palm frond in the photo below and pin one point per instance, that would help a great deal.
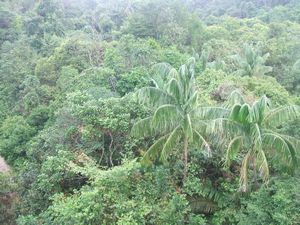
(170, 143)
(281, 115)
(191, 66)
(283, 146)
(174, 89)
(161, 74)
(294, 141)
(200, 141)
(173, 74)
(191, 61)
(142, 128)
(256, 135)
(191, 102)
(200, 126)
(166, 117)
(154, 151)
(235, 98)
(224, 127)
(293, 154)
(234, 114)
(254, 114)
(244, 172)
(208, 113)
(258, 109)
(244, 113)
(183, 71)
(154, 97)
(188, 128)
(162, 68)
(233, 149)
(263, 165)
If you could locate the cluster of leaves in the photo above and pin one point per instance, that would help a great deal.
(122, 195)
(69, 73)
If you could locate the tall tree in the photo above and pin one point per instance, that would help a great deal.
(255, 134)
(177, 116)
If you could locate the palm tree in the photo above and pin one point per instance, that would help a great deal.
(251, 62)
(255, 135)
(177, 115)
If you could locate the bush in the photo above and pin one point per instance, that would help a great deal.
(277, 204)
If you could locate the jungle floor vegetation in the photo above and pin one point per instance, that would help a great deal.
(150, 112)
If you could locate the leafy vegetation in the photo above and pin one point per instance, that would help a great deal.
(150, 112)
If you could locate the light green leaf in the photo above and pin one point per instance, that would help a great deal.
(233, 149)
(170, 143)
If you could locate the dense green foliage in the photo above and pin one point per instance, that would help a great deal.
(150, 112)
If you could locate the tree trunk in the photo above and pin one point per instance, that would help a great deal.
(185, 152)
(254, 173)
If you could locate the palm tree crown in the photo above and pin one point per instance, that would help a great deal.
(251, 62)
(177, 115)
(254, 133)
